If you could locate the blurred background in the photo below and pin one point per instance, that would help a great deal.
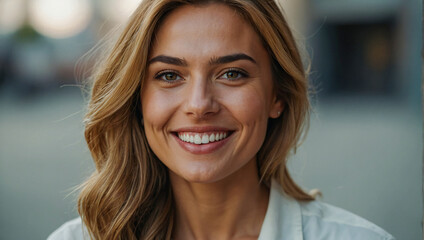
(363, 150)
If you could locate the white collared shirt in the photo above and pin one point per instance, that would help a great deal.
(285, 219)
(288, 219)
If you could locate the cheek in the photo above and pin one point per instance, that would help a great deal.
(156, 108)
(249, 105)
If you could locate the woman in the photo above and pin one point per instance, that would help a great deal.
(191, 120)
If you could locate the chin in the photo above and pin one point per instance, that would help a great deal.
(199, 175)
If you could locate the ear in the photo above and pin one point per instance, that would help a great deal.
(276, 108)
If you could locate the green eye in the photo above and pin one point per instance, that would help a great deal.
(168, 76)
(232, 74)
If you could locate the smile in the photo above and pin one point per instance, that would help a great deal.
(202, 138)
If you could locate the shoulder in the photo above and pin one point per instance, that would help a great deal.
(289, 219)
(71, 230)
(324, 221)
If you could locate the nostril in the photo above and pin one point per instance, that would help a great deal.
(201, 113)
(201, 102)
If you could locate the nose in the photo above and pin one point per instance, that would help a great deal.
(200, 100)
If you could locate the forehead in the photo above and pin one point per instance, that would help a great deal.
(201, 30)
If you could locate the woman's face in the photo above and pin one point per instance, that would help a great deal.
(208, 93)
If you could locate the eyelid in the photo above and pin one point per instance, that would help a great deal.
(165, 71)
(160, 74)
(243, 73)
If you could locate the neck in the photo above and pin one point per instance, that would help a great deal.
(232, 208)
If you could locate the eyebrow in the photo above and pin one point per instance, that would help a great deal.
(231, 58)
(168, 60)
(213, 61)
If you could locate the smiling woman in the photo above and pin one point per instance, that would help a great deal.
(191, 120)
(206, 86)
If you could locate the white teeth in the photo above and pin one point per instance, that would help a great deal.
(199, 138)
(205, 139)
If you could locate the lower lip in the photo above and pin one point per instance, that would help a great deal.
(202, 148)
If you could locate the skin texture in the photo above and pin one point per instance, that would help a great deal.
(190, 87)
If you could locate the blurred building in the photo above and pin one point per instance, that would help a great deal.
(362, 47)
(41, 40)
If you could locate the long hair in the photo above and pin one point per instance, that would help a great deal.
(129, 195)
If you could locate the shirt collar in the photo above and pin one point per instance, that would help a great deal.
(283, 219)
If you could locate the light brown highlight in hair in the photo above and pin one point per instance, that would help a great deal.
(129, 195)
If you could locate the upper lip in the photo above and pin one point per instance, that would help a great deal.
(202, 129)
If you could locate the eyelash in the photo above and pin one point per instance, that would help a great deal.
(242, 73)
(161, 74)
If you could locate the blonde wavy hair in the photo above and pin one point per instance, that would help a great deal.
(129, 195)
